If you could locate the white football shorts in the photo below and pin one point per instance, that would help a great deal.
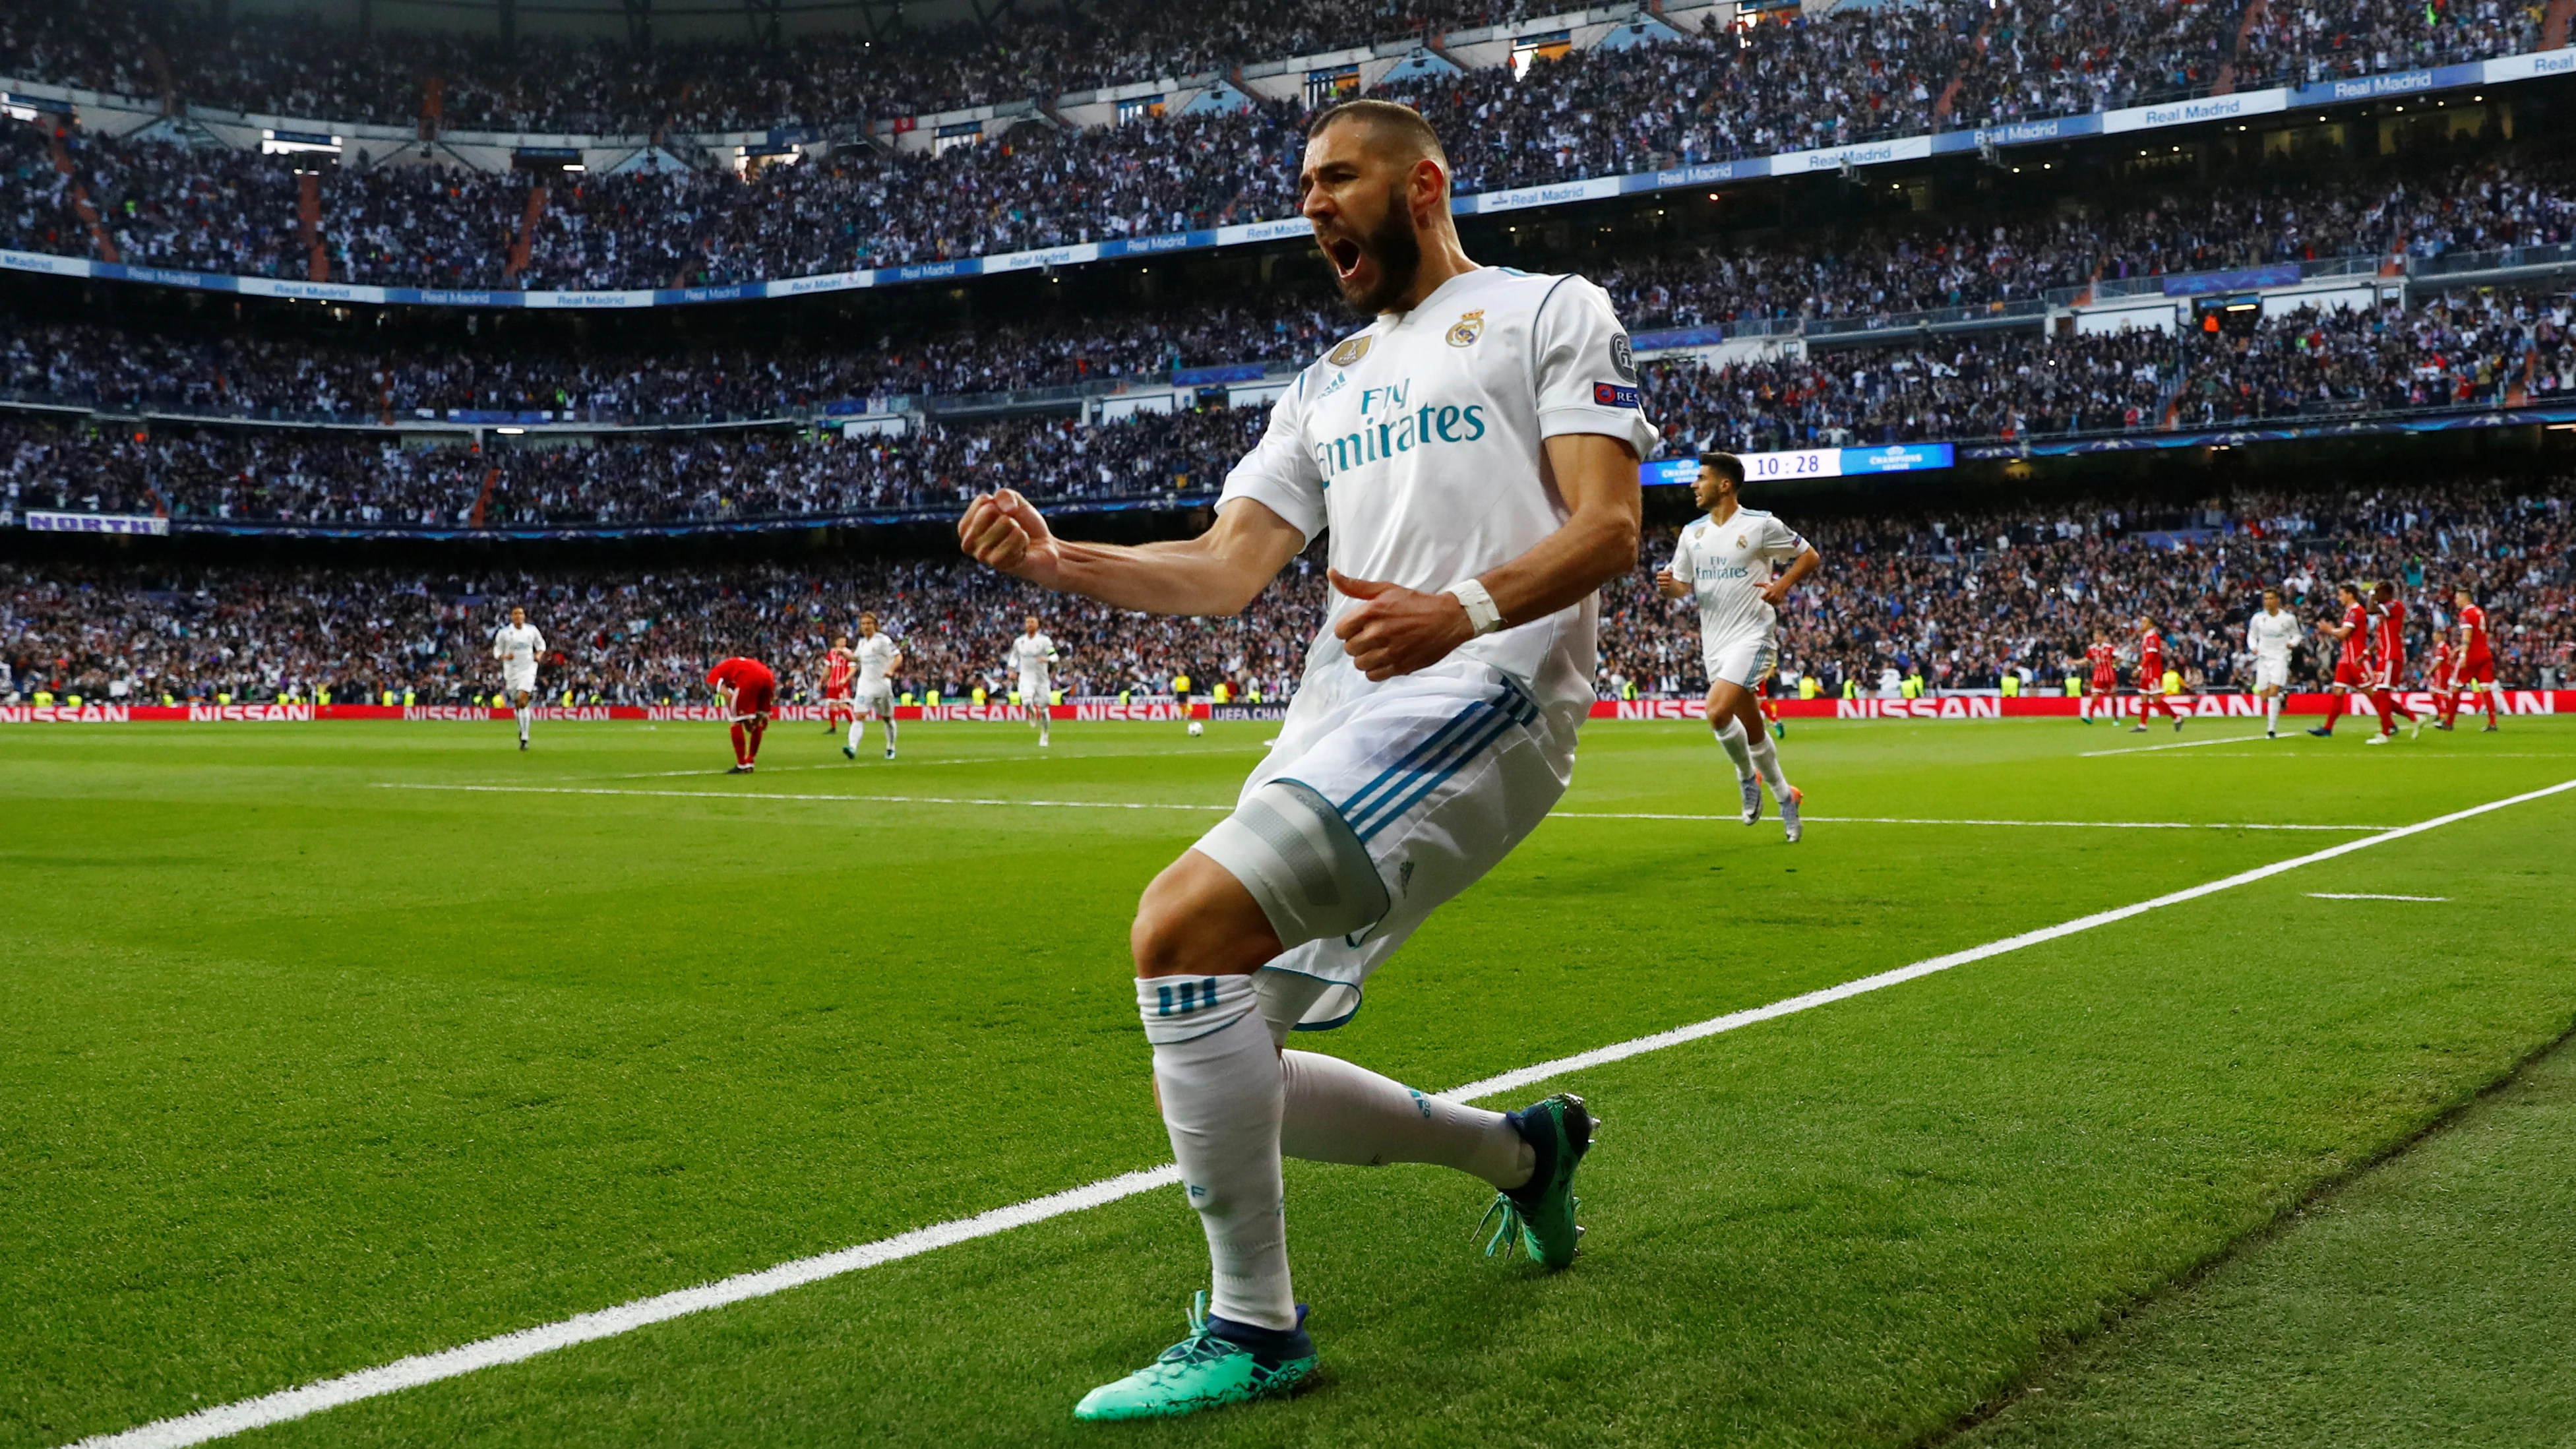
(876, 699)
(1034, 689)
(2271, 674)
(1741, 661)
(520, 681)
(1380, 802)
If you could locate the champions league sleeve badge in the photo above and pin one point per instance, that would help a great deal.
(1623, 359)
(1468, 328)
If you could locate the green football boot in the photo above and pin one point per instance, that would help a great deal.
(1538, 1216)
(1221, 1362)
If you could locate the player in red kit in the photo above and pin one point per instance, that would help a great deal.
(2388, 665)
(839, 668)
(2151, 676)
(2475, 667)
(2352, 664)
(755, 695)
(2105, 659)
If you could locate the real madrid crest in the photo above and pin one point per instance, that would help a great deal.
(1351, 350)
(1469, 327)
(1739, 540)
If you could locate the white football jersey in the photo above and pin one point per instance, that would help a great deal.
(1030, 655)
(2271, 635)
(1417, 442)
(1728, 565)
(875, 655)
(518, 645)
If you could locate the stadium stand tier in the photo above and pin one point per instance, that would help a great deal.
(1960, 594)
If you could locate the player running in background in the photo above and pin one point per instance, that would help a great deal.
(753, 694)
(2151, 677)
(517, 645)
(878, 658)
(2104, 656)
(2352, 659)
(2269, 636)
(2475, 665)
(2388, 665)
(1032, 657)
(1732, 561)
(1481, 438)
(2438, 676)
(837, 672)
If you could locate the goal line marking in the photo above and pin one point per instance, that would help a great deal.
(1156, 805)
(224, 1420)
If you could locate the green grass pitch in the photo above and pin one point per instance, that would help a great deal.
(307, 1068)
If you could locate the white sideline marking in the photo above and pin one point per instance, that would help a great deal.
(2366, 896)
(1135, 805)
(224, 1420)
(2182, 745)
(1901, 820)
(781, 795)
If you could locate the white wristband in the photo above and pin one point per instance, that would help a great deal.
(1482, 616)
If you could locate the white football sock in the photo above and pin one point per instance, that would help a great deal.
(1730, 737)
(1337, 1112)
(889, 724)
(1766, 762)
(523, 722)
(858, 732)
(2272, 712)
(1218, 1074)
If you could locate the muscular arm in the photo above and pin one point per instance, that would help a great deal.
(1397, 630)
(1219, 572)
(1777, 591)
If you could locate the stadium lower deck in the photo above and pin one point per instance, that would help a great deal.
(336, 1044)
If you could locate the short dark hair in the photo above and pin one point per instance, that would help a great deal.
(1727, 466)
(1387, 118)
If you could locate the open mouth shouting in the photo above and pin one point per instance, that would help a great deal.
(1374, 268)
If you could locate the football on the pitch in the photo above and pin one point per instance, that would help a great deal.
(1197, 728)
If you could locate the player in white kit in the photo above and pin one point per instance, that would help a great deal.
(1032, 659)
(2270, 635)
(1732, 561)
(878, 657)
(1472, 456)
(517, 645)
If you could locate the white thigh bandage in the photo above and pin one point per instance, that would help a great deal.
(1301, 861)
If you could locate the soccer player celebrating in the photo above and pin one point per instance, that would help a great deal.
(1032, 656)
(837, 670)
(517, 645)
(753, 692)
(878, 658)
(2151, 677)
(1480, 438)
(2475, 665)
(2270, 636)
(2388, 665)
(1729, 559)
(2104, 656)
(2352, 661)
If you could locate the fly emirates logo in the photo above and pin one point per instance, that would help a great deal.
(1391, 425)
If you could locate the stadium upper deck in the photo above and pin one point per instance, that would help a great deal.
(1637, 101)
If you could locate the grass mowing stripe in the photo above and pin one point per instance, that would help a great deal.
(224, 1420)
(781, 795)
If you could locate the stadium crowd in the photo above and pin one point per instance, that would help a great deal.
(387, 222)
(2458, 350)
(709, 478)
(1872, 274)
(1956, 596)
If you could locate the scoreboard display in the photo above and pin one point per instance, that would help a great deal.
(1812, 463)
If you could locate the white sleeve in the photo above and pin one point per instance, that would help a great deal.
(1279, 473)
(1680, 567)
(1781, 543)
(536, 644)
(1587, 377)
(500, 650)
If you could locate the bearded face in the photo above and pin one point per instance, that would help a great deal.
(1376, 266)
